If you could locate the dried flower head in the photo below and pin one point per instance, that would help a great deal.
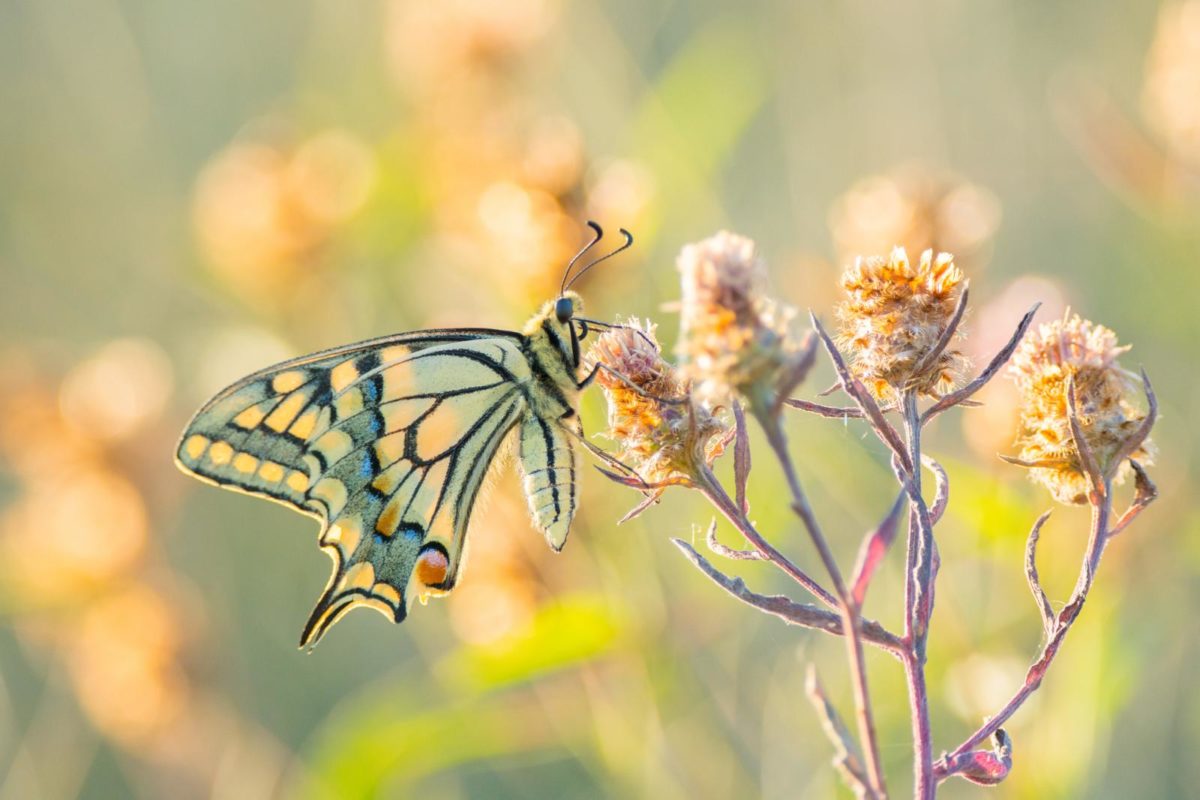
(661, 432)
(1078, 350)
(894, 321)
(734, 338)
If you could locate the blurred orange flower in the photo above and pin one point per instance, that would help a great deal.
(917, 208)
(262, 211)
(1171, 91)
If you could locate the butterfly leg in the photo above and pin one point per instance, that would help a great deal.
(590, 377)
(633, 387)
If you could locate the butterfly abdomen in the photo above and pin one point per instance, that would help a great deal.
(549, 462)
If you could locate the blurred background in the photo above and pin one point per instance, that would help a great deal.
(190, 191)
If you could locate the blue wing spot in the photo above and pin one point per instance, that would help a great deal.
(368, 466)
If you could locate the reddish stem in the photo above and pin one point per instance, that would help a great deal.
(918, 608)
(850, 611)
(1101, 512)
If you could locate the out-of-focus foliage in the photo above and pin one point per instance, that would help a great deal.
(189, 191)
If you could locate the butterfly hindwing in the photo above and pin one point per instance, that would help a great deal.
(400, 535)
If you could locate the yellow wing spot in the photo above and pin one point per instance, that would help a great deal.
(387, 592)
(396, 352)
(271, 472)
(334, 444)
(303, 427)
(377, 604)
(244, 462)
(195, 445)
(297, 482)
(249, 418)
(343, 375)
(220, 453)
(360, 576)
(425, 501)
(388, 481)
(388, 520)
(390, 449)
(287, 381)
(285, 412)
(439, 431)
(349, 404)
(399, 414)
(333, 492)
(346, 534)
(398, 381)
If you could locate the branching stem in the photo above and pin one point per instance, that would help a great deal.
(918, 606)
(851, 616)
(1098, 538)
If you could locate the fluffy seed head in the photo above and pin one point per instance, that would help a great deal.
(733, 337)
(663, 441)
(1057, 352)
(893, 318)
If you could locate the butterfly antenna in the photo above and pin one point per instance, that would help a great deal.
(609, 326)
(628, 243)
(598, 234)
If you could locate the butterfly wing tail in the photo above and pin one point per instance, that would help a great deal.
(357, 581)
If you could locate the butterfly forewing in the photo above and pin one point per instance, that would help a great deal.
(387, 442)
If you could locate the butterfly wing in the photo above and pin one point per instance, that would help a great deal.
(386, 442)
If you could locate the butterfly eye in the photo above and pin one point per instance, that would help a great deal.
(563, 309)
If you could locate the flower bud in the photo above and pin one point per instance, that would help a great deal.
(734, 339)
(661, 432)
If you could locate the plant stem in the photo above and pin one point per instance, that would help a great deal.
(918, 608)
(1101, 511)
(711, 487)
(851, 616)
(924, 784)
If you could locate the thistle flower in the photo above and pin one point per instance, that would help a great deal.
(1078, 350)
(894, 320)
(733, 337)
(662, 433)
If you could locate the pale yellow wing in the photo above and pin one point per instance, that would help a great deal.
(386, 442)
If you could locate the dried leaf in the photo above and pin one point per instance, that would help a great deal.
(741, 457)
(999, 360)
(874, 547)
(846, 759)
(1031, 576)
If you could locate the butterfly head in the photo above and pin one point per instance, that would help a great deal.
(556, 328)
(564, 308)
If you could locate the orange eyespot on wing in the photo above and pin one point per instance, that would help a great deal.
(433, 565)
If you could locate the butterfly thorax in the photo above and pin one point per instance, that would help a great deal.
(554, 356)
